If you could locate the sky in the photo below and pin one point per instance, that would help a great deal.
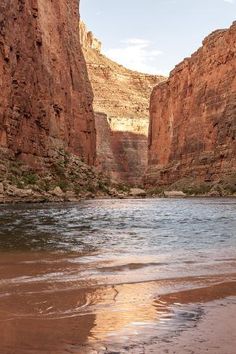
(152, 36)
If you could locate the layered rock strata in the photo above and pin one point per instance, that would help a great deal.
(192, 134)
(121, 103)
(46, 98)
(47, 125)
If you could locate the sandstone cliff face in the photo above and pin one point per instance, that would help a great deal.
(121, 101)
(121, 153)
(88, 39)
(46, 98)
(193, 116)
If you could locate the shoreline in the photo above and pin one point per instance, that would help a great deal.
(51, 200)
(80, 270)
(155, 317)
(213, 334)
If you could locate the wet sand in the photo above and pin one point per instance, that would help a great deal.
(214, 334)
(67, 315)
(153, 276)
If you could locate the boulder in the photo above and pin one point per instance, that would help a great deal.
(174, 194)
(15, 192)
(137, 192)
(57, 192)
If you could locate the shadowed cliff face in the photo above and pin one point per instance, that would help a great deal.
(193, 116)
(46, 98)
(121, 101)
(122, 153)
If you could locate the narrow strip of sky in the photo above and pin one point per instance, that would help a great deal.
(154, 35)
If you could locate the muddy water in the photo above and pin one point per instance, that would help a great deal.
(112, 275)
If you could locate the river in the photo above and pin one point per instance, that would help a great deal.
(112, 276)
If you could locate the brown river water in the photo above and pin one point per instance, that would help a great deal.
(114, 276)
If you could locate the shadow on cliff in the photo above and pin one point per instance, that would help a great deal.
(122, 154)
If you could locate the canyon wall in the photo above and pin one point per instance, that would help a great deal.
(46, 97)
(121, 103)
(193, 116)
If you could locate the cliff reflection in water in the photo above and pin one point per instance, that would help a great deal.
(80, 277)
(53, 316)
(38, 314)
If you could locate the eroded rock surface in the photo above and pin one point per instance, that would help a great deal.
(47, 125)
(121, 103)
(193, 116)
(67, 179)
(46, 98)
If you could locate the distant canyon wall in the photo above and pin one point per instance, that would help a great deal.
(121, 103)
(121, 153)
(193, 116)
(46, 102)
(46, 97)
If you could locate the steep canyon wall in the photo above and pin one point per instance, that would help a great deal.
(121, 103)
(46, 97)
(193, 116)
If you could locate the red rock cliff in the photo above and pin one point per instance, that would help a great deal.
(121, 100)
(193, 116)
(46, 98)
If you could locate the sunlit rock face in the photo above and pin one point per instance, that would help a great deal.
(193, 116)
(121, 103)
(87, 38)
(46, 98)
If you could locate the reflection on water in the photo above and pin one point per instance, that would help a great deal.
(157, 225)
(105, 273)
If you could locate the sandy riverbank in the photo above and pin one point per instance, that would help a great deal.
(214, 334)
